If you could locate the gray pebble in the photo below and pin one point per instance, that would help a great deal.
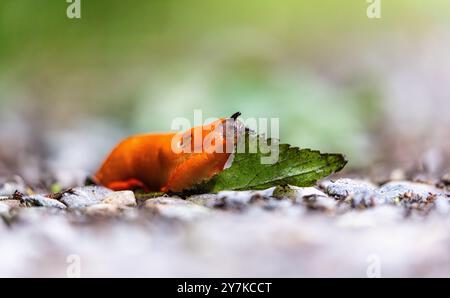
(242, 198)
(175, 208)
(207, 200)
(81, 197)
(345, 187)
(392, 191)
(41, 201)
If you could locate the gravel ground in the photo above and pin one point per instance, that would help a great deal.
(340, 228)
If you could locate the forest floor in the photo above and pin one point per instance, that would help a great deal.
(341, 227)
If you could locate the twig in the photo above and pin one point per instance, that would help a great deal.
(59, 195)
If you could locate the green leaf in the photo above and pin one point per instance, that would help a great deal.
(299, 167)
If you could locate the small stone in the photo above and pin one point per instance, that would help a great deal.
(309, 196)
(364, 200)
(345, 187)
(176, 208)
(207, 200)
(235, 197)
(303, 192)
(242, 198)
(393, 191)
(102, 209)
(121, 199)
(165, 201)
(41, 201)
(85, 196)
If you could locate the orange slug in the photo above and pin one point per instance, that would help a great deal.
(149, 161)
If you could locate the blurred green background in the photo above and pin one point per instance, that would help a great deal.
(323, 67)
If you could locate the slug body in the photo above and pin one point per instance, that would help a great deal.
(159, 162)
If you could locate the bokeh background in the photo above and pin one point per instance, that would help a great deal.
(375, 89)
